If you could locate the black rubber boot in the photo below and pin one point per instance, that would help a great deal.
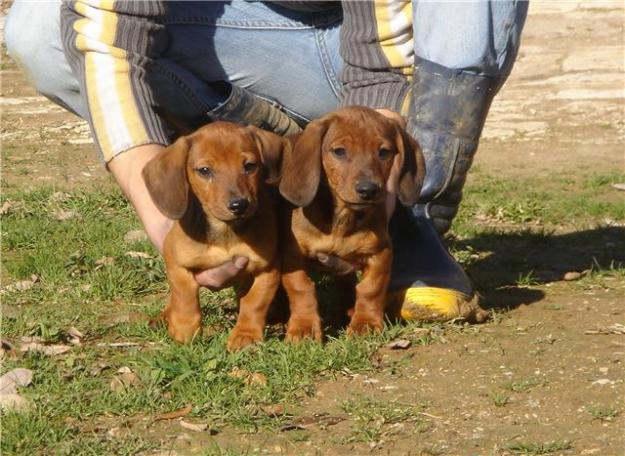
(242, 106)
(448, 110)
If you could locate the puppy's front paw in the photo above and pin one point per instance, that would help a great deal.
(182, 330)
(364, 325)
(242, 337)
(299, 329)
(184, 333)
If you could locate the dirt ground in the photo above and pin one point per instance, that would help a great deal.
(542, 372)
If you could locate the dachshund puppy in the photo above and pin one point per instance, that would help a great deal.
(211, 183)
(335, 177)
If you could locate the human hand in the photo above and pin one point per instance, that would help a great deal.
(217, 277)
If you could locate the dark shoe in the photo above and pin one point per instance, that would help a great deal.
(426, 281)
(242, 106)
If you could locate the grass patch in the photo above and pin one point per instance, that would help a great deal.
(522, 386)
(548, 201)
(499, 399)
(539, 447)
(603, 412)
(374, 420)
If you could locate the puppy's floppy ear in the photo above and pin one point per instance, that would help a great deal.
(412, 168)
(301, 165)
(272, 148)
(166, 179)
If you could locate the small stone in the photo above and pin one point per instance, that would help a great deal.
(197, 427)
(6, 207)
(135, 236)
(114, 432)
(619, 186)
(63, 215)
(17, 377)
(14, 402)
(104, 261)
(142, 255)
(400, 344)
(603, 381)
(50, 350)
(572, 275)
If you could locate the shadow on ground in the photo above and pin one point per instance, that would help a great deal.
(510, 264)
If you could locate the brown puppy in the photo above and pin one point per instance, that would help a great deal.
(211, 183)
(335, 176)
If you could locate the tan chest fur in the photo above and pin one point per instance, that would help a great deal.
(221, 243)
(347, 240)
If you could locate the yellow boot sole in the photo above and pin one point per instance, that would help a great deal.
(436, 304)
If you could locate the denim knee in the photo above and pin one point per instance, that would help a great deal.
(476, 37)
(33, 39)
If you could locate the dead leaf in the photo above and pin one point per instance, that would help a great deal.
(119, 344)
(62, 215)
(50, 350)
(249, 378)
(321, 419)
(6, 207)
(399, 344)
(22, 285)
(17, 377)
(258, 379)
(197, 427)
(14, 402)
(60, 196)
(238, 373)
(10, 312)
(104, 261)
(28, 339)
(124, 380)
(74, 336)
(616, 328)
(175, 414)
(114, 432)
(98, 368)
(135, 236)
(142, 255)
(292, 427)
(5, 345)
(273, 410)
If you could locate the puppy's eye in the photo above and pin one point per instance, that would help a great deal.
(205, 171)
(250, 167)
(384, 153)
(339, 152)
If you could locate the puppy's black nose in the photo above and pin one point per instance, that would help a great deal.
(367, 190)
(238, 206)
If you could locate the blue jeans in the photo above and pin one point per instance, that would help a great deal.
(289, 57)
